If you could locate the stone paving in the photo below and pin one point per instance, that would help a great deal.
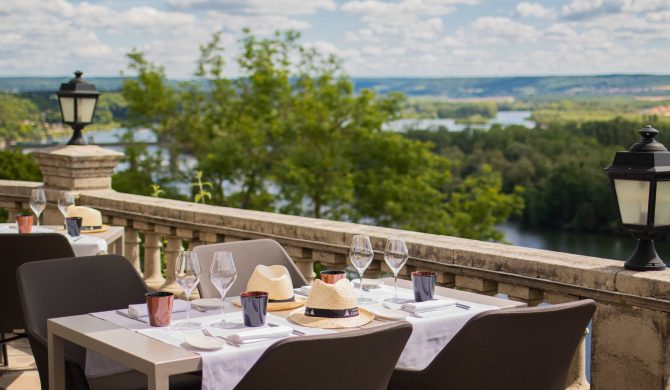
(21, 374)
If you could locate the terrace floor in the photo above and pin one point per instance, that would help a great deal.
(22, 372)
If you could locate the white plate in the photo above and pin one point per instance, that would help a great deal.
(207, 303)
(205, 342)
(388, 314)
(369, 283)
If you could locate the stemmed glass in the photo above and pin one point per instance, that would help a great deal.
(223, 274)
(38, 201)
(361, 255)
(65, 200)
(395, 255)
(187, 272)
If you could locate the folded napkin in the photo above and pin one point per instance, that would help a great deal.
(141, 309)
(304, 290)
(420, 307)
(250, 336)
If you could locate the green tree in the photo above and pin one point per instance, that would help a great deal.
(290, 134)
(19, 118)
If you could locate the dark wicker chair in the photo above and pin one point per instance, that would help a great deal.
(74, 286)
(247, 255)
(515, 349)
(362, 359)
(16, 250)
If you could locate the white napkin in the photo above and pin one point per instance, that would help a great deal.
(304, 290)
(250, 336)
(141, 309)
(420, 307)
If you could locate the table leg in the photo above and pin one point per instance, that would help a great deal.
(158, 381)
(56, 362)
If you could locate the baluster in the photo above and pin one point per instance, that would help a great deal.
(302, 257)
(171, 253)
(577, 373)
(152, 260)
(132, 248)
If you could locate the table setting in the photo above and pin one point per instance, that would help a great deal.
(77, 220)
(231, 333)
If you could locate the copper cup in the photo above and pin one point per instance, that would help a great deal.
(331, 276)
(159, 305)
(24, 223)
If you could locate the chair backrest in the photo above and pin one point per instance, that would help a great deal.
(362, 359)
(247, 255)
(16, 250)
(527, 348)
(73, 286)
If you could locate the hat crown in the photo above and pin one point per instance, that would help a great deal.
(338, 296)
(273, 279)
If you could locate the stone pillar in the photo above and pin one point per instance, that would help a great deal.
(152, 261)
(630, 348)
(171, 254)
(132, 248)
(73, 168)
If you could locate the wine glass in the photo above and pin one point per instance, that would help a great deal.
(396, 255)
(223, 274)
(187, 272)
(38, 201)
(361, 255)
(65, 200)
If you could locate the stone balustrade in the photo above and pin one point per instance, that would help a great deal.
(630, 339)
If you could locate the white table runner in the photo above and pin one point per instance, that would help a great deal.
(431, 333)
(82, 245)
(221, 369)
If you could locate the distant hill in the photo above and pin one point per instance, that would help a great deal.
(456, 88)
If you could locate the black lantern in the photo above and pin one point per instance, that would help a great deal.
(77, 100)
(641, 182)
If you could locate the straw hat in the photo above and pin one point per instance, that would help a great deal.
(331, 306)
(276, 281)
(91, 219)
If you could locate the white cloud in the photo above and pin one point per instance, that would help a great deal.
(535, 10)
(494, 29)
(284, 7)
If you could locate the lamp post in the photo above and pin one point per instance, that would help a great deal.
(77, 100)
(640, 180)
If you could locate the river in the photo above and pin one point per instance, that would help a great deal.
(504, 118)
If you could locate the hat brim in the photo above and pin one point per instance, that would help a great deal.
(279, 306)
(363, 317)
(101, 229)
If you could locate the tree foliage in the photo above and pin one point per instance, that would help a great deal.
(291, 135)
(19, 118)
(560, 166)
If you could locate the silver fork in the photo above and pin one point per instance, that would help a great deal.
(207, 333)
(295, 331)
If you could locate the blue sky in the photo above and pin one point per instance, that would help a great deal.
(417, 38)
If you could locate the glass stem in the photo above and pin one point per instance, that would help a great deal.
(361, 275)
(38, 219)
(395, 287)
(188, 306)
(223, 309)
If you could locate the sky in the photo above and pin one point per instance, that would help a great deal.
(374, 38)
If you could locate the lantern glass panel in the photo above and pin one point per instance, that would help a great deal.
(85, 107)
(633, 198)
(67, 106)
(662, 210)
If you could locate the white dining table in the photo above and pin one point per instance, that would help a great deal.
(134, 346)
(111, 241)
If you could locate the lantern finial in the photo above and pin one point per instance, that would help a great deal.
(648, 143)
